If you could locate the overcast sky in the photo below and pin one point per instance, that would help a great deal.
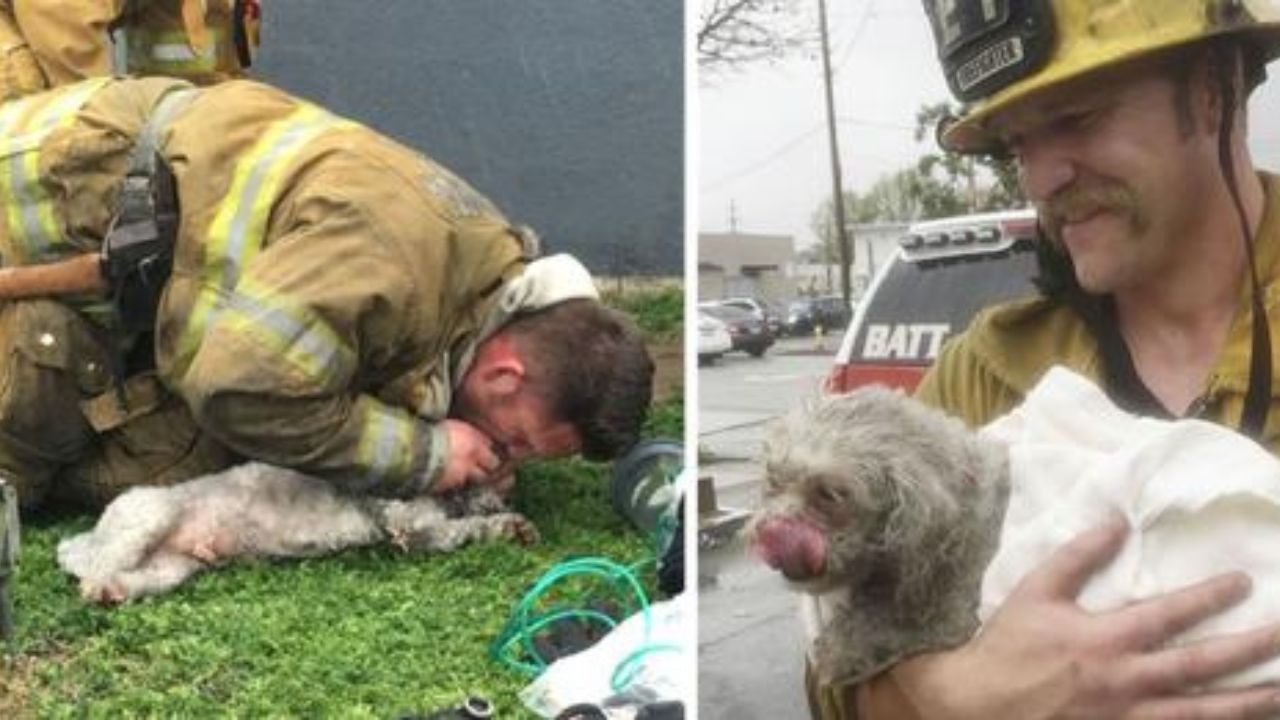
(763, 140)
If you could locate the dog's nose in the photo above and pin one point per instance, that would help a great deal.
(793, 546)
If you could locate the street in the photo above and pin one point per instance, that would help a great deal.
(750, 662)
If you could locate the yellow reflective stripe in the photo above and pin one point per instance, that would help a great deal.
(386, 441)
(236, 234)
(290, 330)
(33, 227)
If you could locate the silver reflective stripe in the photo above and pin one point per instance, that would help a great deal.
(119, 51)
(304, 340)
(179, 52)
(384, 443)
(146, 51)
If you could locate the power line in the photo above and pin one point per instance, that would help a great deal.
(793, 144)
(787, 147)
(857, 34)
(850, 120)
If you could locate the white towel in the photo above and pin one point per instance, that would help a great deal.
(1200, 498)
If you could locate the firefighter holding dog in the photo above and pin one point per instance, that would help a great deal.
(1127, 123)
(198, 276)
(49, 43)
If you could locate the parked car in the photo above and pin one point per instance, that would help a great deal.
(943, 273)
(762, 309)
(750, 334)
(713, 339)
(828, 312)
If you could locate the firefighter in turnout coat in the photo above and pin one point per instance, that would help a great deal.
(50, 43)
(334, 302)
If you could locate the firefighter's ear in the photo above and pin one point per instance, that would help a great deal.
(501, 370)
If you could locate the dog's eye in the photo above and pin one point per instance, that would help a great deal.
(830, 495)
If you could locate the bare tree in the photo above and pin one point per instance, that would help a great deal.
(732, 33)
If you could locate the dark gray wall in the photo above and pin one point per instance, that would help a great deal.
(567, 113)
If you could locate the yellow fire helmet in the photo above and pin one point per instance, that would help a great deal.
(996, 52)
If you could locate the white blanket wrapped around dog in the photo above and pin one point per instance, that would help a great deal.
(1201, 500)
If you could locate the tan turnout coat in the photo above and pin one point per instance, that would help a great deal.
(328, 284)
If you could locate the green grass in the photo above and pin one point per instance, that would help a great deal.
(364, 634)
(659, 311)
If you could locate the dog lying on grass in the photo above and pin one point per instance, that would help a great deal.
(151, 539)
(906, 529)
(887, 511)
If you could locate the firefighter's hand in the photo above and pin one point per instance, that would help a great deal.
(471, 457)
(1042, 656)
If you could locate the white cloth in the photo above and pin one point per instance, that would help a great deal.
(1200, 498)
(548, 281)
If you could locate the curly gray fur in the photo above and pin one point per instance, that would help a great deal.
(151, 539)
(910, 504)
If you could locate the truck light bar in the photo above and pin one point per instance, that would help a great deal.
(968, 234)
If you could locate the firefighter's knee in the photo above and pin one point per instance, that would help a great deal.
(50, 362)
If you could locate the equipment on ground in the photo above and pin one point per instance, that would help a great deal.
(8, 558)
(646, 493)
(473, 708)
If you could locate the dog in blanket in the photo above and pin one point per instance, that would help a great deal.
(151, 539)
(905, 530)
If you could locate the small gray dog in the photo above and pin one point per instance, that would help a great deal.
(887, 512)
(151, 539)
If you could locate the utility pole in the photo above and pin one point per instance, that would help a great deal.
(733, 216)
(842, 232)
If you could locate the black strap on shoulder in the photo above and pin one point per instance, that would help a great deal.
(137, 250)
(1057, 281)
(1257, 399)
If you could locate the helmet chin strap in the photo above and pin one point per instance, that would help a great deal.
(1257, 401)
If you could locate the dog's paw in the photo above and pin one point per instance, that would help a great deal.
(522, 530)
(102, 592)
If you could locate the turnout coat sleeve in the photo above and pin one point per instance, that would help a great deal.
(278, 375)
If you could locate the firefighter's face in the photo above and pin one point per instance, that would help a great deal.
(1117, 167)
(497, 397)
